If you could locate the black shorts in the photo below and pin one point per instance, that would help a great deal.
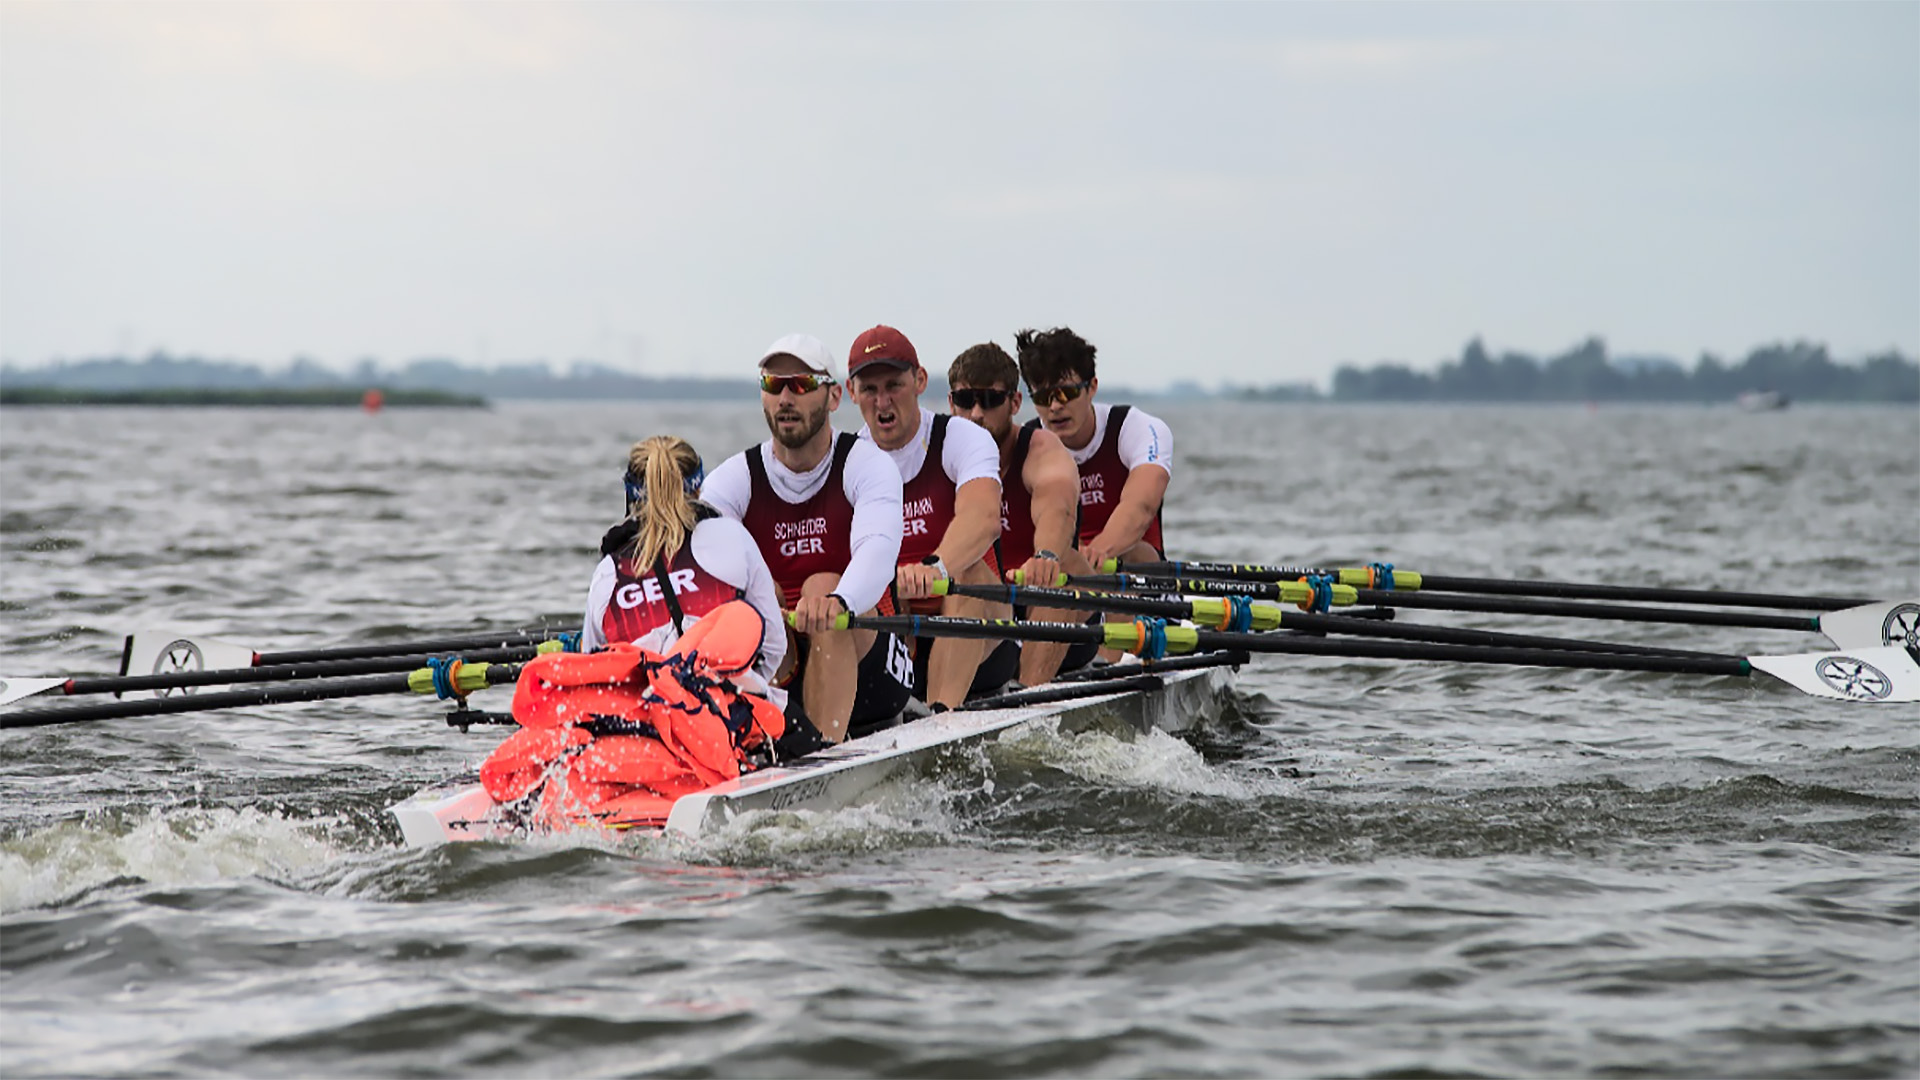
(1000, 667)
(878, 699)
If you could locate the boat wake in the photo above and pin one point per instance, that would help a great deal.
(176, 846)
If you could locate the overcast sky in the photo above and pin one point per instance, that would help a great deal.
(1242, 192)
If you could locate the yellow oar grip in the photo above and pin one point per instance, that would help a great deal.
(840, 621)
(1364, 577)
(1215, 611)
(1020, 578)
(1299, 592)
(466, 679)
(1127, 637)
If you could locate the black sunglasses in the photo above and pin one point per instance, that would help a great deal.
(985, 399)
(1061, 394)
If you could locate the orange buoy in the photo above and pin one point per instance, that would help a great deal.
(372, 400)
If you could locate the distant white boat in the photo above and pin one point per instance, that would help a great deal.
(1761, 401)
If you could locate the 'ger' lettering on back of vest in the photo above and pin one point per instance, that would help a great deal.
(799, 540)
(641, 603)
(1101, 478)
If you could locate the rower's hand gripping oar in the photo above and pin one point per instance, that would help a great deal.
(1880, 674)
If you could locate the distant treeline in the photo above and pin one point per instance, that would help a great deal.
(1802, 371)
(582, 381)
(270, 396)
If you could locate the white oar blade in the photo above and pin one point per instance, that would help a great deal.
(1880, 674)
(12, 690)
(160, 652)
(1870, 625)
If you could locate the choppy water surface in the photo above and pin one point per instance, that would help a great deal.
(1360, 868)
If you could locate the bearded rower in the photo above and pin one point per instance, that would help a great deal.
(950, 468)
(1039, 497)
(824, 508)
(1125, 455)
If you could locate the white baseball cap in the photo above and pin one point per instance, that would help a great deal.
(808, 350)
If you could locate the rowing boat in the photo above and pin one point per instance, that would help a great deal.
(841, 775)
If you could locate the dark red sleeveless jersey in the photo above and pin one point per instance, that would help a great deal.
(799, 540)
(926, 500)
(640, 603)
(1016, 503)
(1101, 478)
(926, 509)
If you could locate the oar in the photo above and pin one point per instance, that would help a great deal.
(155, 646)
(461, 680)
(1368, 577)
(1265, 616)
(14, 689)
(1846, 629)
(1885, 673)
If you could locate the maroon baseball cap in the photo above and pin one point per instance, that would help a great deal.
(881, 345)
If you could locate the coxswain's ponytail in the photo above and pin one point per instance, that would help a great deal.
(663, 475)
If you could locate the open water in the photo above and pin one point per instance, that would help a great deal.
(1357, 869)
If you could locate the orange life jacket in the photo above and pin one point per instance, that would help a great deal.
(614, 737)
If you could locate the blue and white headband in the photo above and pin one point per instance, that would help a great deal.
(637, 487)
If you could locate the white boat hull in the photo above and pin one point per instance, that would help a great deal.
(841, 775)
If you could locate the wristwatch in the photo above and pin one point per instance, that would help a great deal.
(937, 563)
(1043, 553)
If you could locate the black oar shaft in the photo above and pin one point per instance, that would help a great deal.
(499, 639)
(1495, 605)
(274, 694)
(1564, 590)
(1636, 594)
(936, 626)
(1508, 605)
(1310, 623)
(174, 680)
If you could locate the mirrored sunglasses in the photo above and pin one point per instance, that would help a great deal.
(801, 384)
(983, 399)
(1059, 395)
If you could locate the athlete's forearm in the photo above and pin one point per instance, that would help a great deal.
(869, 570)
(1053, 528)
(975, 525)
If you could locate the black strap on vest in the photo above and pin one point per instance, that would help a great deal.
(937, 442)
(672, 598)
(1022, 444)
